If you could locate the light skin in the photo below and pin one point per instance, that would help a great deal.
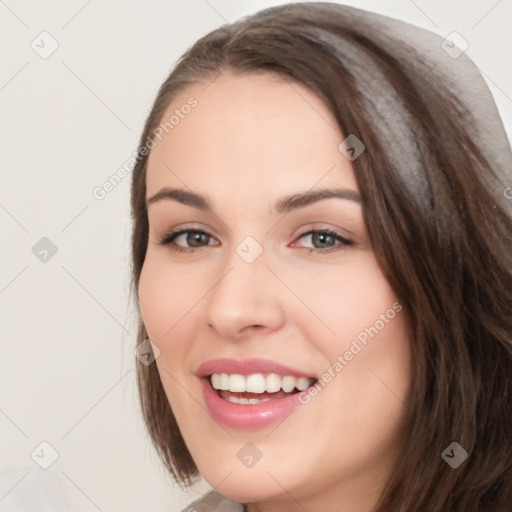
(252, 140)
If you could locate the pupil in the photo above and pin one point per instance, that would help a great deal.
(322, 239)
(194, 239)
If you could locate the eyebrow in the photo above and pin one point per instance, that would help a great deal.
(283, 205)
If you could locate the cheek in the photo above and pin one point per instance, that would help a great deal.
(153, 299)
(375, 338)
(168, 300)
(374, 360)
(345, 299)
(368, 353)
(165, 296)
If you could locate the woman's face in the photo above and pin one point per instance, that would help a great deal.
(269, 286)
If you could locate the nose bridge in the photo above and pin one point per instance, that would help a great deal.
(246, 295)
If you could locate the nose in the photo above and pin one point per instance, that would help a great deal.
(245, 301)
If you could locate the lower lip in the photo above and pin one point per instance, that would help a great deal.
(247, 416)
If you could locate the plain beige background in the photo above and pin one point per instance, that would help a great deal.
(68, 121)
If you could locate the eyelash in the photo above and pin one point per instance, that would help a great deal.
(168, 239)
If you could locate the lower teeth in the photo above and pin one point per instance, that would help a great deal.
(246, 401)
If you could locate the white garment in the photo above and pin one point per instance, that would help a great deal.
(214, 502)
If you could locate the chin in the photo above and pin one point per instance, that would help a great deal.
(265, 480)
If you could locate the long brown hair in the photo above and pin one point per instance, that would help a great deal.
(440, 228)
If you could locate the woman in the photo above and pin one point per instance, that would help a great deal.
(322, 260)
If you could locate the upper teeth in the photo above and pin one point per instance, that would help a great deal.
(259, 383)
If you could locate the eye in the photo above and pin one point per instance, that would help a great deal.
(325, 240)
(192, 239)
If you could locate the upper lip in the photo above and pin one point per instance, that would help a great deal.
(248, 367)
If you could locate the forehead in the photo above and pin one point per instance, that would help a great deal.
(249, 133)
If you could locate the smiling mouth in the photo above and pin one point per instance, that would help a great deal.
(256, 388)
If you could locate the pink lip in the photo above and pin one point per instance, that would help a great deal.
(247, 416)
(248, 366)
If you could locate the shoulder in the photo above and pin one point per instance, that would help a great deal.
(214, 502)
